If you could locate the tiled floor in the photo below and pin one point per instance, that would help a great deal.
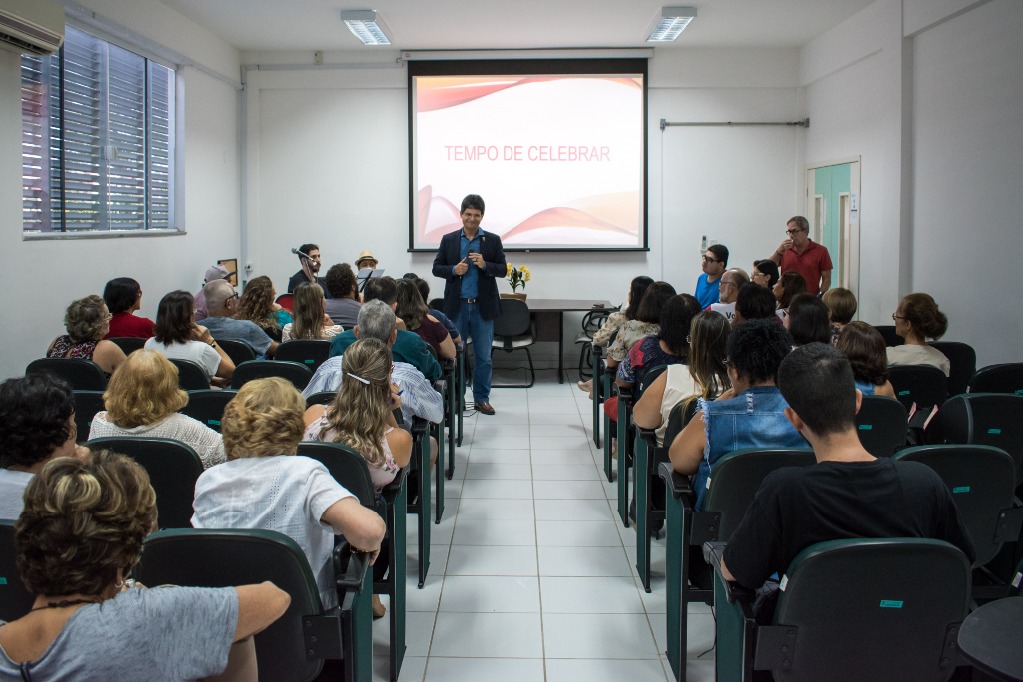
(532, 575)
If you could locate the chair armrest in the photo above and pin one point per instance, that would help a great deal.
(649, 435)
(713, 553)
(678, 484)
(391, 490)
(1010, 522)
(349, 567)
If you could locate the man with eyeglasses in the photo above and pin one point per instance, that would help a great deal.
(731, 282)
(715, 261)
(799, 253)
(222, 301)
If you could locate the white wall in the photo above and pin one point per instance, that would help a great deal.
(41, 278)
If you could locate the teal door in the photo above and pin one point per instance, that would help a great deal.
(834, 217)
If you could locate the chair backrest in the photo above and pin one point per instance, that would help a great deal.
(887, 332)
(921, 384)
(994, 419)
(191, 375)
(81, 375)
(286, 301)
(296, 373)
(881, 425)
(962, 362)
(873, 609)
(223, 558)
(87, 404)
(15, 600)
(129, 344)
(238, 351)
(514, 318)
(436, 304)
(679, 416)
(348, 467)
(208, 406)
(173, 468)
(594, 320)
(309, 352)
(649, 377)
(1007, 378)
(736, 478)
(321, 398)
(981, 479)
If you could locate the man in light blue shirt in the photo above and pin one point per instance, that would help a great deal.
(715, 262)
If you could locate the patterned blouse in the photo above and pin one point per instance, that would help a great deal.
(64, 347)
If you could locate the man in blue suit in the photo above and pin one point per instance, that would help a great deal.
(470, 260)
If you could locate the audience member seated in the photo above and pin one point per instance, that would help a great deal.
(751, 414)
(123, 297)
(807, 320)
(265, 485)
(222, 301)
(614, 321)
(178, 337)
(846, 494)
(413, 310)
(704, 376)
(731, 282)
(142, 401)
(754, 303)
(841, 305)
(788, 287)
(765, 273)
(258, 305)
(310, 316)
(424, 290)
(917, 319)
(864, 347)
(87, 321)
(214, 272)
(343, 304)
(37, 423)
(78, 541)
(669, 347)
(408, 346)
(647, 323)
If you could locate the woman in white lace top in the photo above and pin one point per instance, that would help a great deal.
(142, 400)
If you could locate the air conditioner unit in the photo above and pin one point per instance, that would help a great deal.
(35, 26)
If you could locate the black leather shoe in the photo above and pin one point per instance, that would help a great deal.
(485, 408)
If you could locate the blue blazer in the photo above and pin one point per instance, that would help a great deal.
(450, 253)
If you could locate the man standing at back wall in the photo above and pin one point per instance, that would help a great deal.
(469, 261)
(809, 259)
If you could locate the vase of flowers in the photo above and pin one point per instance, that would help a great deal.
(517, 277)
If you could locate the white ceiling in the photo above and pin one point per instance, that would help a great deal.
(272, 25)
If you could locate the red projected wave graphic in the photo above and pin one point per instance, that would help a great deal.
(442, 93)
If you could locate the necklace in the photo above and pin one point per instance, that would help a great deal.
(64, 603)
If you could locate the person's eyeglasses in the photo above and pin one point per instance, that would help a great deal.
(897, 317)
(108, 317)
(727, 362)
(234, 295)
(730, 284)
(758, 274)
(792, 232)
(710, 260)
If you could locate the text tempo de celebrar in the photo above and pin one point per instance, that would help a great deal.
(531, 153)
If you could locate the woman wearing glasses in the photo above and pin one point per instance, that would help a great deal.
(87, 321)
(917, 319)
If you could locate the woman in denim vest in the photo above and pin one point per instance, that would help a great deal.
(749, 415)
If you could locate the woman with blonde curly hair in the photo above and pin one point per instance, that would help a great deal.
(87, 321)
(310, 316)
(78, 540)
(258, 305)
(264, 485)
(143, 399)
(361, 415)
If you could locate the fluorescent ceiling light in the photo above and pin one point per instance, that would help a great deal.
(670, 23)
(366, 25)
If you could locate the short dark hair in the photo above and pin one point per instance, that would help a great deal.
(121, 293)
(808, 320)
(865, 348)
(801, 222)
(422, 285)
(636, 290)
(473, 201)
(720, 251)
(754, 302)
(792, 284)
(769, 268)
(756, 349)
(676, 320)
(817, 383)
(174, 318)
(340, 281)
(34, 414)
(380, 289)
(657, 294)
(306, 248)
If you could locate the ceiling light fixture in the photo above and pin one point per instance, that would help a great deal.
(366, 25)
(670, 23)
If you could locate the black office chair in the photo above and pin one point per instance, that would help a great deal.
(923, 385)
(294, 372)
(87, 404)
(173, 469)
(294, 646)
(309, 352)
(128, 344)
(238, 351)
(994, 419)
(513, 330)
(1007, 378)
(887, 331)
(862, 609)
(15, 600)
(207, 406)
(191, 375)
(81, 375)
(626, 435)
(320, 398)
(591, 323)
(881, 425)
(962, 361)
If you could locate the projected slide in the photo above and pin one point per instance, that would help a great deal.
(558, 158)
